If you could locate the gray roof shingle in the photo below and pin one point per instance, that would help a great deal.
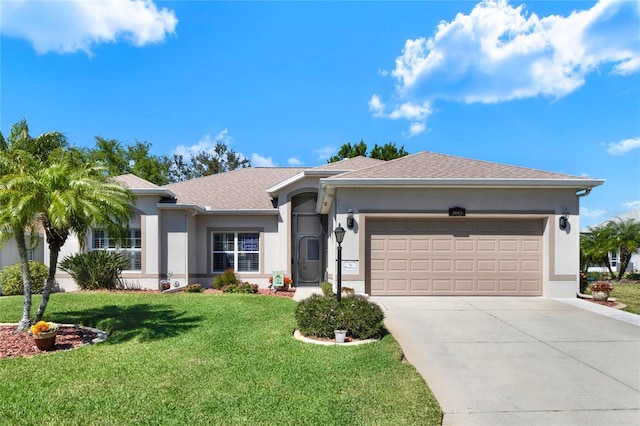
(429, 165)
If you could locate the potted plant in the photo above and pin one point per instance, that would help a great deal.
(600, 290)
(44, 334)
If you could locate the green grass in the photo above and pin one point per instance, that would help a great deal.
(628, 294)
(201, 359)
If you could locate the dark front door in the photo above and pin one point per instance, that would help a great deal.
(309, 260)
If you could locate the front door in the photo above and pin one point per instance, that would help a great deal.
(309, 260)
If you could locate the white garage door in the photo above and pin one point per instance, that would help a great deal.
(460, 256)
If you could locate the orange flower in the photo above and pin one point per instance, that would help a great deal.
(42, 327)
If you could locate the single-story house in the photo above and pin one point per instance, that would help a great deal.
(424, 224)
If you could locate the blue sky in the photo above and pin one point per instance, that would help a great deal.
(547, 85)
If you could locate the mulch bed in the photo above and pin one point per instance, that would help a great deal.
(14, 344)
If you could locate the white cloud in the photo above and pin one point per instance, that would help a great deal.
(499, 52)
(622, 147)
(258, 160)
(376, 106)
(592, 214)
(206, 143)
(632, 205)
(416, 128)
(78, 25)
(294, 162)
(325, 152)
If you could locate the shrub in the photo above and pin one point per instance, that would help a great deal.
(327, 288)
(361, 318)
(224, 279)
(240, 288)
(316, 316)
(634, 276)
(319, 316)
(94, 270)
(193, 288)
(11, 278)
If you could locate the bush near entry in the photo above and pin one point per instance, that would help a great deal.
(11, 278)
(320, 315)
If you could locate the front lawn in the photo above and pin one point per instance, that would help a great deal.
(629, 294)
(204, 359)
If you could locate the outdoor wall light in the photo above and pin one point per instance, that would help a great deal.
(339, 233)
(350, 220)
(564, 220)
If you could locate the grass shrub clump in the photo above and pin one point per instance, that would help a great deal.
(11, 278)
(319, 316)
(241, 288)
(193, 288)
(327, 288)
(96, 270)
(226, 278)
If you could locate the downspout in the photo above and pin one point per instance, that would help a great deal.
(186, 244)
(586, 192)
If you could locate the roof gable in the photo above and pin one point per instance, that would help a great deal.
(132, 181)
(429, 165)
(240, 189)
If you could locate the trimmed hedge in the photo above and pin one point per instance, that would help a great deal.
(11, 278)
(320, 315)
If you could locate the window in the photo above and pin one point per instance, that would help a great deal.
(614, 259)
(30, 254)
(237, 250)
(130, 247)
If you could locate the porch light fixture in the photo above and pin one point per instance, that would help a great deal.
(564, 220)
(339, 233)
(350, 220)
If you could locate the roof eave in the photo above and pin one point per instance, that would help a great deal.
(275, 189)
(244, 212)
(461, 183)
(163, 192)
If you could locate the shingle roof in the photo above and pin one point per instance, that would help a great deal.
(239, 189)
(135, 182)
(429, 165)
(355, 163)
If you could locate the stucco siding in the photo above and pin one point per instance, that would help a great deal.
(560, 248)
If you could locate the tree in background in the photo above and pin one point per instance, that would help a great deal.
(221, 159)
(386, 152)
(620, 236)
(119, 159)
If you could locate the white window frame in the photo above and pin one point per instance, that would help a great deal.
(236, 251)
(128, 247)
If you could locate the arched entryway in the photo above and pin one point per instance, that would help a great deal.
(309, 255)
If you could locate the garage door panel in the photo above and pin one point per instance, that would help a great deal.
(420, 245)
(460, 256)
(420, 285)
(398, 265)
(440, 245)
(420, 265)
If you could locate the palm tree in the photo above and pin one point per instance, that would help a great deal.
(48, 187)
(18, 215)
(625, 238)
(75, 198)
(21, 153)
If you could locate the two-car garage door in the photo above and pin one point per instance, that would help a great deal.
(459, 256)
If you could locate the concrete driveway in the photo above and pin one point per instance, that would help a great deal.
(533, 361)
